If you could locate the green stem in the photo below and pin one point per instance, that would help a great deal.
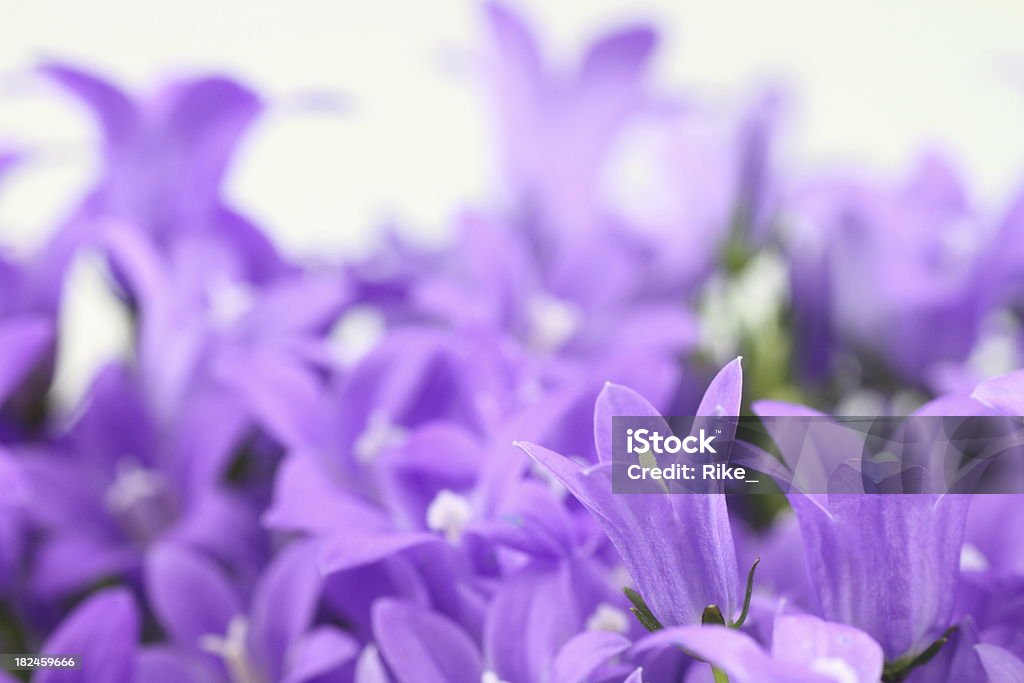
(747, 595)
(720, 676)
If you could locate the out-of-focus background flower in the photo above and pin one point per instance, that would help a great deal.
(404, 136)
(377, 115)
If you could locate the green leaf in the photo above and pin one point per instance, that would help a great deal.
(642, 612)
(720, 676)
(746, 598)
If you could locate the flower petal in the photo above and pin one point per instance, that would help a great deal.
(174, 571)
(104, 631)
(420, 646)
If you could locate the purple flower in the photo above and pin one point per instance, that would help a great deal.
(887, 564)
(205, 334)
(557, 126)
(104, 632)
(904, 274)
(417, 645)
(114, 484)
(804, 649)
(164, 161)
(425, 647)
(677, 548)
(214, 635)
(570, 325)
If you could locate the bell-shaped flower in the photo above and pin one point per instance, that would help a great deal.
(678, 549)
(804, 649)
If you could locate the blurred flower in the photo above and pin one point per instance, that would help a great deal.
(17, 493)
(556, 126)
(217, 639)
(113, 485)
(239, 500)
(104, 631)
(164, 159)
(904, 275)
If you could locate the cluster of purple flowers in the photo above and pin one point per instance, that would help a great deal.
(261, 494)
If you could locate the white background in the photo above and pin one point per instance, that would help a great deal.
(875, 81)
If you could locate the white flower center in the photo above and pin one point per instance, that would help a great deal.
(972, 559)
(140, 499)
(232, 648)
(380, 434)
(228, 300)
(356, 334)
(552, 321)
(491, 677)
(837, 669)
(132, 485)
(449, 513)
(608, 618)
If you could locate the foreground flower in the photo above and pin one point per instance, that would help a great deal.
(677, 548)
(804, 649)
(887, 564)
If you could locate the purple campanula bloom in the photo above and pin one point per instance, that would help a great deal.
(115, 482)
(415, 645)
(885, 563)
(598, 165)
(557, 126)
(804, 649)
(677, 548)
(256, 351)
(902, 275)
(552, 272)
(163, 163)
(682, 172)
(992, 569)
(418, 645)
(215, 637)
(419, 492)
(571, 325)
